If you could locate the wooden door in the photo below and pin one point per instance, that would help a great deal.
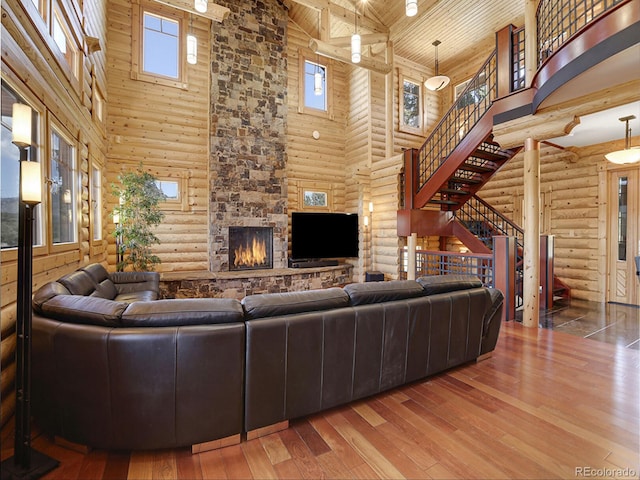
(624, 235)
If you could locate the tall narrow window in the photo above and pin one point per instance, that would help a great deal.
(63, 190)
(161, 45)
(622, 218)
(10, 173)
(64, 41)
(96, 203)
(315, 85)
(411, 105)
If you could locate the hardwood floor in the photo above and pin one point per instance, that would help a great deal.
(545, 405)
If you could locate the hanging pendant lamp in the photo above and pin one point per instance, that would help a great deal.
(411, 8)
(439, 81)
(629, 154)
(356, 41)
(200, 5)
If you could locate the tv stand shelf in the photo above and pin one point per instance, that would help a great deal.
(311, 263)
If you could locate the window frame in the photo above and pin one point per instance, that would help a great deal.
(97, 244)
(137, 44)
(61, 131)
(305, 57)
(403, 127)
(325, 188)
(58, 9)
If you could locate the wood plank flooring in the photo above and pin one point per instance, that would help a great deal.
(546, 405)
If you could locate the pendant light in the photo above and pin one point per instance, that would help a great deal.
(439, 81)
(192, 45)
(411, 8)
(629, 154)
(317, 76)
(356, 41)
(200, 5)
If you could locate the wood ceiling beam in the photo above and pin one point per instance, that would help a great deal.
(343, 55)
(367, 39)
(214, 12)
(342, 14)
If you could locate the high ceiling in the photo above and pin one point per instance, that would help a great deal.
(463, 26)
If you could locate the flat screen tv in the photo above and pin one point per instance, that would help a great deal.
(323, 235)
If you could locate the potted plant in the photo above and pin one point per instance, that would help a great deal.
(137, 213)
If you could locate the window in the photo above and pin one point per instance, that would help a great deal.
(472, 96)
(160, 45)
(64, 41)
(315, 199)
(315, 82)
(411, 105)
(170, 189)
(62, 192)
(96, 203)
(10, 173)
(159, 51)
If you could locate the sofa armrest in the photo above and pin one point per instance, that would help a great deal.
(492, 321)
(127, 282)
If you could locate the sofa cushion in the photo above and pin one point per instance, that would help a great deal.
(141, 296)
(46, 293)
(78, 283)
(275, 304)
(96, 271)
(376, 292)
(84, 310)
(105, 289)
(185, 311)
(433, 284)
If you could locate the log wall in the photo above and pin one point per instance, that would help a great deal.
(166, 129)
(33, 65)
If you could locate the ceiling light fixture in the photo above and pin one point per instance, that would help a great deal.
(439, 81)
(629, 154)
(200, 5)
(356, 41)
(317, 76)
(411, 8)
(192, 45)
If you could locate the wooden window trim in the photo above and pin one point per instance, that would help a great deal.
(421, 130)
(303, 57)
(137, 29)
(324, 187)
(97, 245)
(182, 202)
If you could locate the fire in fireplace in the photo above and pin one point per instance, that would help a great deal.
(250, 248)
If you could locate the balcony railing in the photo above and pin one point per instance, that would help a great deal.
(559, 20)
(452, 263)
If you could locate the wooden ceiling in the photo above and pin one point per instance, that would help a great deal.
(464, 27)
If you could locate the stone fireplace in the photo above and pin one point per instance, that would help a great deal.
(248, 181)
(250, 248)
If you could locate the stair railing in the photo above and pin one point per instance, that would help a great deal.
(465, 112)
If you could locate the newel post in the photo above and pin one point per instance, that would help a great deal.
(504, 273)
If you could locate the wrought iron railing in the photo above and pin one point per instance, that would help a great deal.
(559, 20)
(470, 106)
(452, 263)
(518, 73)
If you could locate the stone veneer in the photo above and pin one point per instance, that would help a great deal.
(248, 119)
(240, 284)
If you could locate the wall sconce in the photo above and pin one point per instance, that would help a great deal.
(26, 462)
(628, 155)
(411, 8)
(200, 5)
(366, 221)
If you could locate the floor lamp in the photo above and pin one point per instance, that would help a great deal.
(25, 463)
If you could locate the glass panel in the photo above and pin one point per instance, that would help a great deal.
(160, 46)
(63, 191)
(96, 202)
(10, 175)
(622, 218)
(311, 98)
(315, 199)
(411, 104)
(169, 188)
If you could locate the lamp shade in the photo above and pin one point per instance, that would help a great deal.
(317, 83)
(200, 5)
(192, 49)
(356, 43)
(21, 127)
(628, 155)
(437, 83)
(30, 182)
(411, 8)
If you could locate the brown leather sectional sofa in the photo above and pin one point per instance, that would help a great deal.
(133, 373)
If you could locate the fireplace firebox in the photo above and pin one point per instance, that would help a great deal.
(250, 248)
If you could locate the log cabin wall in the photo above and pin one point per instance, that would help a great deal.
(73, 104)
(164, 127)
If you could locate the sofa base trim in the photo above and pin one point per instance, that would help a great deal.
(268, 430)
(69, 445)
(484, 356)
(215, 444)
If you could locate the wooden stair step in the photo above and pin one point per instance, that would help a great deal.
(466, 181)
(453, 191)
(470, 167)
(443, 202)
